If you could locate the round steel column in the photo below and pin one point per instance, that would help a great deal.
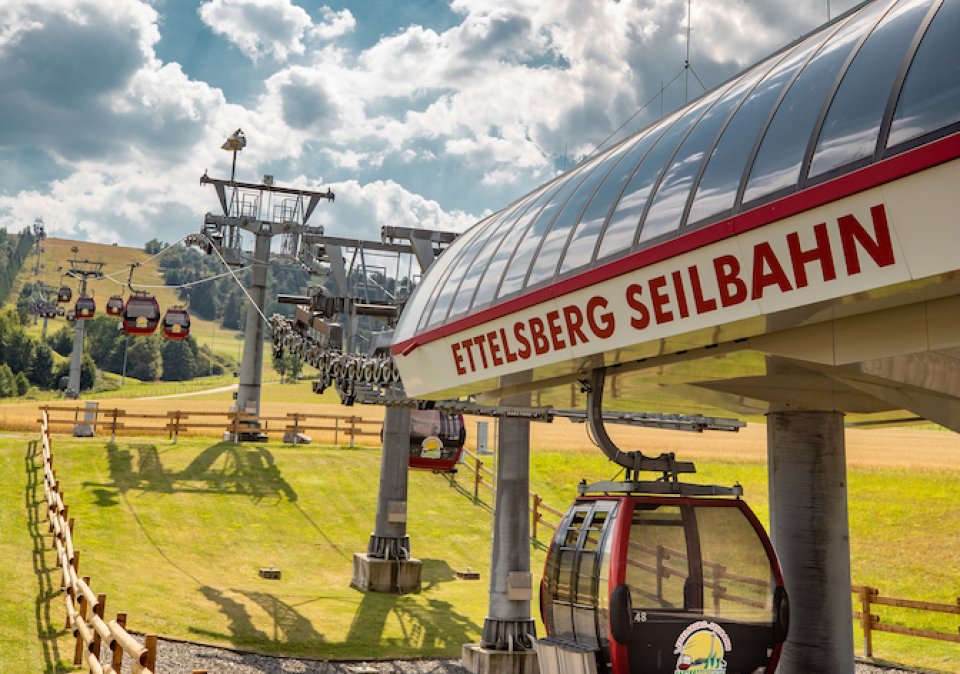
(810, 532)
(389, 539)
(76, 356)
(509, 625)
(251, 367)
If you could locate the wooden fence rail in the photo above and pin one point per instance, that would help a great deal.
(870, 622)
(85, 610)
(175, 423)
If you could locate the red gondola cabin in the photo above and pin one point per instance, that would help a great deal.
(662, 584)
(84, 309)
(436, 440)
(176, 323)
(115, 306)
(64, 295)
(141, 314)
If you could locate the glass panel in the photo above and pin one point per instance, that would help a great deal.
(490, 282)
(545, 266)
(425, 294)
(785, 142)
(585, 624)
(478, 265)
(448, 286)
(668, 205)
(738, 585)
(622, 228)
(657, 565)
(579, 251)
(520, 264)
(721, 178)
(930, 98)
(478, 256)
(565, 577)
(563, 619)
(573, 531)
(851, 127)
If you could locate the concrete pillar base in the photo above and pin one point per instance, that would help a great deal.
(479, 660)
(505, 635)
(372, 574)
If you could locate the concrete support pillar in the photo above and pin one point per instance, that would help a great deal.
(509, 630)
(387, 565)
(251, 366)
(810, 532)
(389, 539)
(76, 360)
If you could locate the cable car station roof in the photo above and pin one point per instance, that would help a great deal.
(812, 179)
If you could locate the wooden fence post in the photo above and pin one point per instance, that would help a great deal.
(660, 556)
(150, 641)
(99, 612)
(336, 431)
(117, 659)
(476, 479)
(536, 516)
(82, 606)
(113, 426)
(866, 620)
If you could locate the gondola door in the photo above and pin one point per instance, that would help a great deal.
(694, 587)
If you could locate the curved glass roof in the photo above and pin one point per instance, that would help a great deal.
(875, 82)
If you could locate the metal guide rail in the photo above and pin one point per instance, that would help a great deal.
(375, 380)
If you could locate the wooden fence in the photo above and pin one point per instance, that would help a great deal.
(870, 622)
(175, 423)
(85, 610)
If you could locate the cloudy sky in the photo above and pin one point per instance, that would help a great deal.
(415, 112)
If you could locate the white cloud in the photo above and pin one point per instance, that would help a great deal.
(275, 28)
(333, 24)
(259, 27)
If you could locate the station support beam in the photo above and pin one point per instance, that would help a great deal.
(387, 565)
(251, 367)
(810, 530)
(509, 629)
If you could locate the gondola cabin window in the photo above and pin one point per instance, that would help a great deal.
(657, 567)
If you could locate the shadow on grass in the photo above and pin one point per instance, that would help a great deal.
(223, 468)
(47, 632)
(430, 627)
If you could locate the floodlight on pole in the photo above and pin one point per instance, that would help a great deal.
(234, 143)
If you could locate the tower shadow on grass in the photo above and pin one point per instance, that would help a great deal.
(428, 627)
(223, 468)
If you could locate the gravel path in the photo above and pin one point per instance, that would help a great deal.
(182, 658)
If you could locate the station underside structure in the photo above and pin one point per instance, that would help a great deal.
(785, 244)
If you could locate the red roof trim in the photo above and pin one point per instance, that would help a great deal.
(874, 175)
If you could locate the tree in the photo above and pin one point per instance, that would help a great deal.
(41, 371)
(153, 246)
(287, 366)
(232, 311)
(143, 359)
(88, 372)
(179, 359)
(62, 341)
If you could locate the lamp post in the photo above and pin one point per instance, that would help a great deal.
(236, 142)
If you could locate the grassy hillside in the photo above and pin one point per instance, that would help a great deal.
(116, 261)
(175, 534)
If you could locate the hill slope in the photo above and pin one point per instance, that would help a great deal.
(117, 260)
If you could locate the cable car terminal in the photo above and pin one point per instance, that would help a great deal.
(781, 245)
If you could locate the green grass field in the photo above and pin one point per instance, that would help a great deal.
(175, 534)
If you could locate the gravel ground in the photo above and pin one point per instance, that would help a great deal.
(182, 658)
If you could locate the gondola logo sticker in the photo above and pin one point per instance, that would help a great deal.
(701, 648)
